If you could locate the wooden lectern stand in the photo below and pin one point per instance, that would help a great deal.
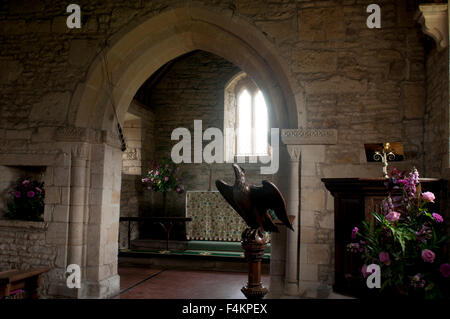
(354, 200)
(253, 242)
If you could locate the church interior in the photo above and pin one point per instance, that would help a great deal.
(266, 148)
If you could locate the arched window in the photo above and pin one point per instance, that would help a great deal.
(246, 113)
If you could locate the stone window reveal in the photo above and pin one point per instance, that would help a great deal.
(245, 112)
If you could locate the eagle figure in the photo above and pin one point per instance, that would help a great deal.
(253, 202)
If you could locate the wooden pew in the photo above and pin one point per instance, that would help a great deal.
(28, 280)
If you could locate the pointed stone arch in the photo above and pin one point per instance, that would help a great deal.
(140, 49)
(116, 74)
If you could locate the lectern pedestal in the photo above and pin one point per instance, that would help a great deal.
(253, 242)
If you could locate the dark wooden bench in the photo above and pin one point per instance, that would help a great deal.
(165, 222)
(27, 280)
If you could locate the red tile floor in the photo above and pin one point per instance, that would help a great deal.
(138, 282)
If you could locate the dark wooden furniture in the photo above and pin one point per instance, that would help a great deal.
(253, 242)
(354, 200)
(28, 280)
(165, 222)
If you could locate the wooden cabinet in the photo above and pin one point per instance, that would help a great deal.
(354, 200)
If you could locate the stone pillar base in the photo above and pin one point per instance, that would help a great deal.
(89, 289)
(291, 289)
(105, 288)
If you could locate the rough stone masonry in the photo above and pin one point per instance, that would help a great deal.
(370, 85)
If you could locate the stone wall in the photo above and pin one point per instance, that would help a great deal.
(436, 122)
(368, 84)
(436, 115)
(138, 130)
(194, 89)
(23, 246)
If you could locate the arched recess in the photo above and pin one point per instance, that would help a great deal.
(133, 55)
(139, 50)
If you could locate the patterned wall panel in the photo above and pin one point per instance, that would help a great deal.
(212, 218)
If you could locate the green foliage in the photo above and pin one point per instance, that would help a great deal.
(406, 240)
(163, 177)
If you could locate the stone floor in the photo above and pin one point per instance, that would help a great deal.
(147, 283)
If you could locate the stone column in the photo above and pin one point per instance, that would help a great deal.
(102, 280)
(92, 196)
(292, 237)
(305, 148)
(78, 202)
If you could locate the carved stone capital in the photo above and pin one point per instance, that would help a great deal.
(294, 152)
(434, 20)
(80, 150)
(82, 134)
(309, 136)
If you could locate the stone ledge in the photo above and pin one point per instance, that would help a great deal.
(309, 136)
(11, 223)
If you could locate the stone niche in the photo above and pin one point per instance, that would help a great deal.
(10, 175)
(33, 244)
(23, 244)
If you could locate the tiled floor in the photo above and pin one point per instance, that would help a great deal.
(147, 283)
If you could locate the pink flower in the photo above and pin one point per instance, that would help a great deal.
(30, 194)
(428, 256)
(178, 190)
(438, 218)
(152, 179)
(145, 180)
(393, 216)
(354, 232)
(38, 189)
(26, 182)
(156, 173)
(417, 281)
(428, 197)
(384, 258)
(166, 178)
(364, 271)
(445, 270)
(18, 194)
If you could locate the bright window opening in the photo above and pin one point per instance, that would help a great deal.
(245, 112)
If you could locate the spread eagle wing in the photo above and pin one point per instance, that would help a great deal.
(268, 224)
(269, 197)
(227, 193)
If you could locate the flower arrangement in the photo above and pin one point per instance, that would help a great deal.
(406, 240)
(26, 200)
(164, 177)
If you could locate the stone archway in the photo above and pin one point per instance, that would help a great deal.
(134, 54)
(138, 51)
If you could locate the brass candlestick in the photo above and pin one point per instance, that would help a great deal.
(384, 153)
